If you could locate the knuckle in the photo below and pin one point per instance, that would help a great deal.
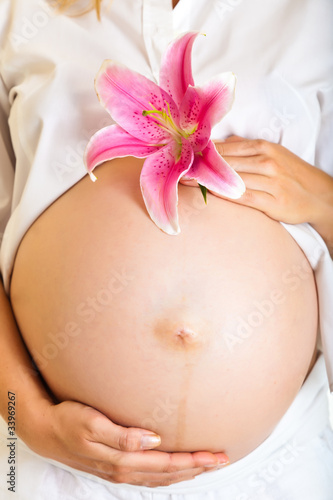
(122, 470)
(263, 146)
(120, 478)
(91, 419)
(82, 441)
(264, 159)
(127, 441)
(117, 460)
(270, 165)
(169, 466)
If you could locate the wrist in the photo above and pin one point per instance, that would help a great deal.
(322, 221)
(34, 423)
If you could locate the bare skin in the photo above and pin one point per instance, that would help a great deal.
(73, 433)
(164, 335)
(81, 436)
(73, 440)
(282, 185)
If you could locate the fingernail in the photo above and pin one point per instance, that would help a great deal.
(221, 466)
(223, 460)
(150, 441)
(209, 466)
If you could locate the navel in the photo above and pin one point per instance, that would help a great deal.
(178, 336)
(186, 336)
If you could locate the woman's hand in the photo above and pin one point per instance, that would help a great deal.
(280, 184)
(85, 439)
(78, 435)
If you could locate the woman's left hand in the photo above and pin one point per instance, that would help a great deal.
(278, 182)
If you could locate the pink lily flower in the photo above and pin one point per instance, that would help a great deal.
(170, 125)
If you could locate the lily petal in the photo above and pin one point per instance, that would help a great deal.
(114, 142)
(159, 183)
(126, 95)
(204, 106)
(176, 66)
(213, 172)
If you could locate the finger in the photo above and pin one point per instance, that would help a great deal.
(257, 182)
(148, 479)
(244, 147)
(234, 138)
(125, 474)
(259, 200)
(104, 431)
(190, 182)
(155, 480)
(158, 461)
(108, 442)
(257, 164)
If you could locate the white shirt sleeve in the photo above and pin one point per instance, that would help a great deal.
(7, 160)
(6, 163)
(324, 147)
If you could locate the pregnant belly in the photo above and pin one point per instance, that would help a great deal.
(205, 337)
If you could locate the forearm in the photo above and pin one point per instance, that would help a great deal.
(320, 188)
(17, 374)
(323, 221)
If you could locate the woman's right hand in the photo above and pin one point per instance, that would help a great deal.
(85, 439)
(78, 435)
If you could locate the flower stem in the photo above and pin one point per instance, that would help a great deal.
(203, 190)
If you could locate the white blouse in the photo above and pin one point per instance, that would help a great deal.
(281, 52)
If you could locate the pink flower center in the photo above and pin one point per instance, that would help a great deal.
(163, 118)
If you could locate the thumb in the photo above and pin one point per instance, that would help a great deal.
(126, 438)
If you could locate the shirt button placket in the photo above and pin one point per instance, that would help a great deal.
(157, 30)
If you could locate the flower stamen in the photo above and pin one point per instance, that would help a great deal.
(164, 120)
